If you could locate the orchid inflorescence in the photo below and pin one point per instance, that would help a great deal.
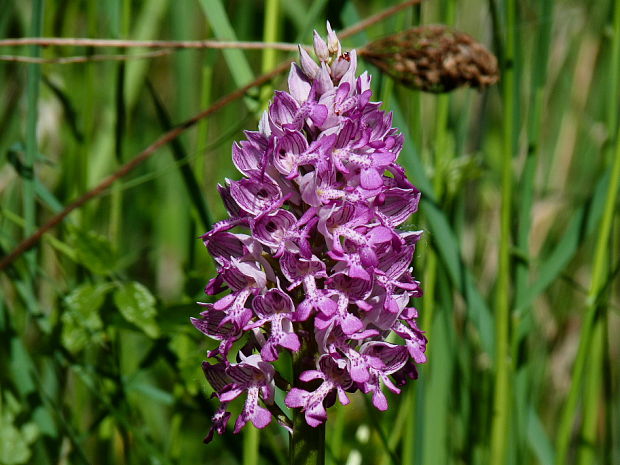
(320, 269)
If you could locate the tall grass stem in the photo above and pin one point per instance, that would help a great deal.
(32, 99)
(502, 397)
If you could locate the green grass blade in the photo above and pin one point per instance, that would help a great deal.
(271, 33)
(147, 23)
(538, 439)
(32, 98)
(437, 399)
(238, 65)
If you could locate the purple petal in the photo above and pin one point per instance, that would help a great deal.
(290, 341)
(379, 400)
(255, 196)
(296, 398)
(370, 178)
(261, 418)
(298, 83)
(308, 65)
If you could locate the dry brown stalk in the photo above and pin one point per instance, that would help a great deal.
(84, 59)
(119, 43)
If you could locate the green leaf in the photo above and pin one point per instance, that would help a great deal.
(15, 442)
(137, 305)
(81, 321)
(93, 250)
(145, 389)
(538, 438)
(21, 368)
(185, 349)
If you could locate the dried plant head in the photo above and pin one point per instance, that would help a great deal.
(433, 58)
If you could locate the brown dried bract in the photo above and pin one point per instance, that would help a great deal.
(433, 58)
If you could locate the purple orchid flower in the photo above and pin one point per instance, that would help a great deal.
(311, 260)
(254, 377)
(334, 377)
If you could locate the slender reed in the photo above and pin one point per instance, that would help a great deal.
(523, 315)
(502, 397)
(32, 96)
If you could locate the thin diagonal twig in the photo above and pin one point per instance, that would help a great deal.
(118, 43)
(84, 59)
(32, 240)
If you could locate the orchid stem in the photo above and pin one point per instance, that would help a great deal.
(307, 443)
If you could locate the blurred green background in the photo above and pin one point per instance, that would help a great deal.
(519, 262)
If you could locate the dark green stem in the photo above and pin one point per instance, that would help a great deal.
(307, 443)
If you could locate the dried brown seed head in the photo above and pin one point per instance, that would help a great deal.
(433, 58)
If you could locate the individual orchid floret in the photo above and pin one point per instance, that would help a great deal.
(313, 272)
(277, 308)
(335, 378)
(254, 377)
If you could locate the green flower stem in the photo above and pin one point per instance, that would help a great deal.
(307, 443)
(587, 451)
(502, 389)
(251, 441)
(336, 433)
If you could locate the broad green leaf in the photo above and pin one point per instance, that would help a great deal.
(93, 250)
(44, 420)
(137, 305)
(21, 367)
(14, 441)
(81, 321)
(145, 389)
(14, 446)
(185, 349)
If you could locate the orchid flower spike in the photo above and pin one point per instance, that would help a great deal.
(311, 260)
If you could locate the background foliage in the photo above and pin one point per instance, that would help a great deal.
(98, 361)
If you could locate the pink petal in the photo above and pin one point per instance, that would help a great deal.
(370, 179)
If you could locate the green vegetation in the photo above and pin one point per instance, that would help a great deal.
(519, 262)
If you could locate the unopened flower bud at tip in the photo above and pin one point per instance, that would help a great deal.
(308, 65)
(320, 47)
(333, 44)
